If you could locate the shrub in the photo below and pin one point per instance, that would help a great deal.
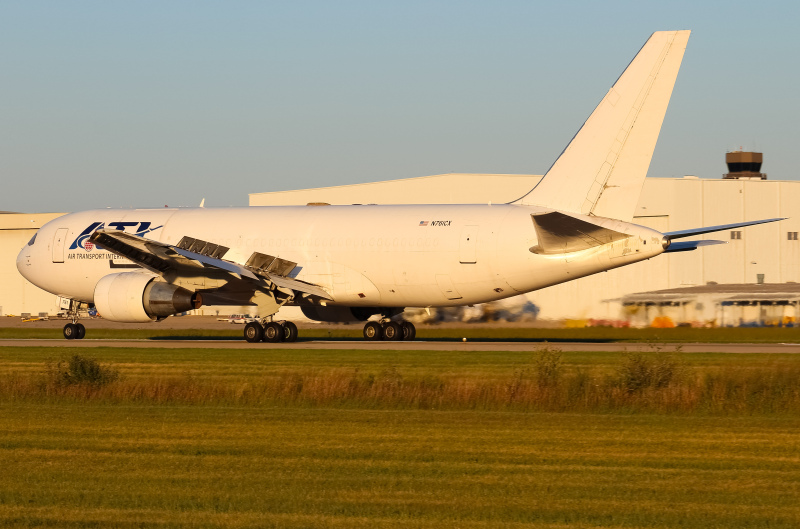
(547, 363)
(80, 370)
(639, 371)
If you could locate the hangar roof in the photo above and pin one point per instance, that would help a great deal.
(741, 292)
(25, 221)
(452, 188)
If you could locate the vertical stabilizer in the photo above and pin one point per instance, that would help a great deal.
(602, 170)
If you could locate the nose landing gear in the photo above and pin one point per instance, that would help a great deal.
(74, 330)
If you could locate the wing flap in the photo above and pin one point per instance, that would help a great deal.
(302, 286)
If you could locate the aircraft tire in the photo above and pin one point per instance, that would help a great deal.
(81, 331)
(70, 331)
(373, 331)
(409, 331)
(289, 332)
(392, 332)
(273, 332)
(253, 332)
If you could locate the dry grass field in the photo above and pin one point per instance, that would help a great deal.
(321, 438)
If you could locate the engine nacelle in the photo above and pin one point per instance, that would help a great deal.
(134, 297)
(338, 314)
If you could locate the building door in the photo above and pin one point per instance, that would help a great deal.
(59, 243)
(467, 253)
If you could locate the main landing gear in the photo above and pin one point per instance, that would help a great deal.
(272, 332)
(390, 331)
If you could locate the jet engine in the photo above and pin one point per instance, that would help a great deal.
(134, 297)
(338, 314)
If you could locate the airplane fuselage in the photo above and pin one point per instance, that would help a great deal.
(366, 255)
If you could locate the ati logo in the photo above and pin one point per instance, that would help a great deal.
(140, 229)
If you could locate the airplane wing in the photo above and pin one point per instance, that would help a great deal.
(194, 257)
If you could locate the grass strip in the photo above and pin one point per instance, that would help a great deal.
(539, 380)
(100, 465)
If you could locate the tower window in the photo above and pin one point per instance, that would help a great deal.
(791, 235)
(736, 235)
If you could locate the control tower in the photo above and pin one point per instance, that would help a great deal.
(744, 166)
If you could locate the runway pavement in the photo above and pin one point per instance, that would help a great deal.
(419, 345)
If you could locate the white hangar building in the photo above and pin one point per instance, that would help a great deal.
(760, 254)
(18, 295)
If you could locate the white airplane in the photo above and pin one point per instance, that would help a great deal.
(350, 263)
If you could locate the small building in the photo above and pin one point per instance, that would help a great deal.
(713, 305)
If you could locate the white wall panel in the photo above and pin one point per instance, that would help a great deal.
(762, 243)
(789, 250)
(723, 204)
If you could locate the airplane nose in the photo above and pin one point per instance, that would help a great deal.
(23, 261)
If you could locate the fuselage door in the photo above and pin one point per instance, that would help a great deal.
(467, 253)
(59, 243)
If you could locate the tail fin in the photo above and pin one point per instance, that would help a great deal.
(602, 170)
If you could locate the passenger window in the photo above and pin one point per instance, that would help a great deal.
(33, 239)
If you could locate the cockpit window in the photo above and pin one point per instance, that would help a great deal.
(33, 239)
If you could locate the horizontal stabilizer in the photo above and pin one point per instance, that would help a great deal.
(561, 233)
(687, 246)
(699, 231)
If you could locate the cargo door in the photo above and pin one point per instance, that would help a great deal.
(59, 243)
(467, 253)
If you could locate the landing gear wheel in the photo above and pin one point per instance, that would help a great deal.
(273, 332)
(409, 331)
(392, 332)
(289, 332)
(253, 332)
(70, 331)
(81, 331)
(373, 331)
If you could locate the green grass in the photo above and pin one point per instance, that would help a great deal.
(589, 334)
(764, 384)
(69, 465)
(197, 451)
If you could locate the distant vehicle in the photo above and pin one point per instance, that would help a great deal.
(242, 318)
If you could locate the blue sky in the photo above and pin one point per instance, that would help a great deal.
(140, 104)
